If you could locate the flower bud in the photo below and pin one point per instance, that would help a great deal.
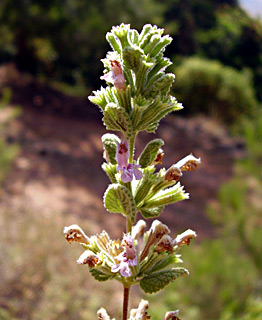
(106, 156)
(115, 76)
(140, 313)
(173, 173)
(189, 163)
(156, 232)
(159, 157)
(75, 233)
(171, 315)
(88, 257)
(184, 238)
(165, 244)
(102, 314)
(138, 229)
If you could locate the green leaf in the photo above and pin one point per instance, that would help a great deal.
(136, 115)
(132, 57)
(123, 98)
(156, 111)
(143, 187)
(161, 63)
(167, 196)
(99, 98)
(151, 44)
(116, 118)
(133, 36)
(162, 264)
(111, 38)
(148, 155)
(162, 85)
(164, 41)
(119, 199)
(157, 281)
(152, 212)
(141, 74)
(110, 142)
(110, 170)
(110, 95)
(152, 127)
(121, 32)
(99, 275)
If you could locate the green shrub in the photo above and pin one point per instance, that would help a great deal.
(251, 130)
(210, 88)
(7, 152)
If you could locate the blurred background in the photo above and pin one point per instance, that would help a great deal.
(51, 155)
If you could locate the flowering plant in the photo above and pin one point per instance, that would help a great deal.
(136, 98)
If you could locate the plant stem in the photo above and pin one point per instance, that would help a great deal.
(125, 302)
(128, 226)
(131, 146)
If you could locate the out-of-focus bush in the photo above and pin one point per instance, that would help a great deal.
(210, 88)
(251, 129)
(64, 40)
(235, 40)
(8, 152)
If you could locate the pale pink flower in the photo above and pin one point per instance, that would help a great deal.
(127, 258)
(115, 76)
(128, 170)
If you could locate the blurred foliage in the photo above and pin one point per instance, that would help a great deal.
(64, 39)
(8, 152)
(217, 30)
(211, 88)
(251, 129)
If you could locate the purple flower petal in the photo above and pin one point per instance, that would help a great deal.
(115, 268)
(125, 271)
(133, 262)
(138, 174)
(126, 176)
(122, 154)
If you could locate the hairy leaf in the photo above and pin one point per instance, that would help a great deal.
(119, 199)
(99, 275)
(110, 142)
(157, 281)
(148, 155)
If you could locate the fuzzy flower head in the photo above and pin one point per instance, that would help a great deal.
(127, 170)
(115, 76)
(127, 258)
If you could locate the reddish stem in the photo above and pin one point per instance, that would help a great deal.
(125, 303)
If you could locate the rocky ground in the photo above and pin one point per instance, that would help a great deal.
(59, 165)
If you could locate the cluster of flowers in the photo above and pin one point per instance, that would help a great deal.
(113, 256)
